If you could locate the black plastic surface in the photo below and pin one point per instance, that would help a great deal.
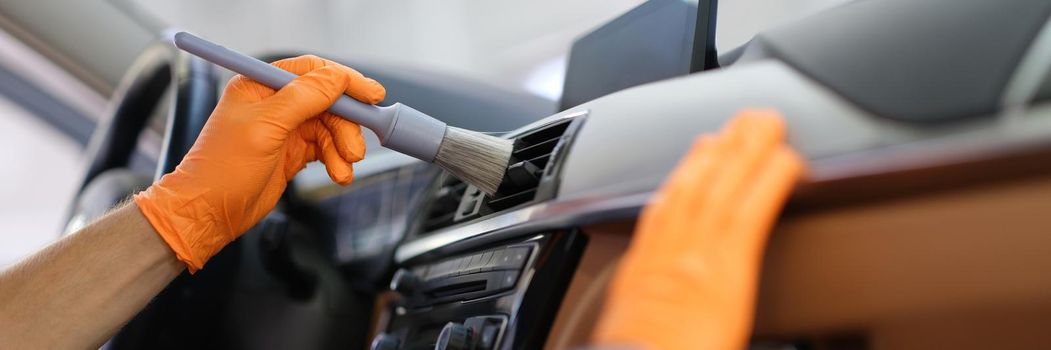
(1044, 92)
(916, 61)
(652, 42)
(704, 55)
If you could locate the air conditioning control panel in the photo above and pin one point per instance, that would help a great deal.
(463, 277)
(503, 295)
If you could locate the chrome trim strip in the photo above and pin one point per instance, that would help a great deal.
(547, 214)
(1029, 74)
(569, 114)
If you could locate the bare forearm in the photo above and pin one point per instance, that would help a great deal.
(80, 290)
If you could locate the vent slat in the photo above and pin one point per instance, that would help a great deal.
(512, 199)
(541, 161)
(442, 210)
(536, 150)
(548, 132)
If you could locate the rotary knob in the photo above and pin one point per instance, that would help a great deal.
(384, 341)
(404, 281)
(454, 336)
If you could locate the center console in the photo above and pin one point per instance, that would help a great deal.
(483, 298)
(480, 271)
(468, 288)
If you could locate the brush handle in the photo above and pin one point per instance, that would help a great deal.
(398, 126)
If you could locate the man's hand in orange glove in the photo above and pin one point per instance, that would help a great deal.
(89, 283)
(689, 279)
(255, 141)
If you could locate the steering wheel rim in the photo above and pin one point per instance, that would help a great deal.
(158, 69)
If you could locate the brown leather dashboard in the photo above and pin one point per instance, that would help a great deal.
(965, 268)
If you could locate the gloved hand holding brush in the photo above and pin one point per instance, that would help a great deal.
(476, 158)
(254, 143)
(91, 282)
(689, 279)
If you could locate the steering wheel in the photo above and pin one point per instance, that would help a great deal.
(272, 288)
(158, 70)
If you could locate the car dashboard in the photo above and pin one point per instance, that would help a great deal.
(526, 268)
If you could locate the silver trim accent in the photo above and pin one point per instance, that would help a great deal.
(1030, 72)
(398, 277)
(568, 114)
(552, 213)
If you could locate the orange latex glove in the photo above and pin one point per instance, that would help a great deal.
(689, 279)
(255, 141)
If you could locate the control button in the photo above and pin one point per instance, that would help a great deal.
(433, 271)
(404, 281)
(475, 265)
(476, 261)
(494, 262)
(487, 338)
(384, 341)
(420, 271)
(486, 263)
(450, 267)
(519, 255)
(486, 329)
(502, 260)
(512, 258)
(461, 267)
(454, 336)
(507, 279)
(445, 268)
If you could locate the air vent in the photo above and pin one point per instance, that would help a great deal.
(529, 178)
(442, 209)
(528, 162)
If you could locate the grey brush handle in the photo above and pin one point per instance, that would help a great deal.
(398, 126)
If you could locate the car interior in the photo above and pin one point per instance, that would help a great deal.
(921, 222)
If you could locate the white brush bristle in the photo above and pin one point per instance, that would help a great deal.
(475, 158)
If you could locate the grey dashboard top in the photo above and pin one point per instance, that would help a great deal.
(919, 61)
(634, 137)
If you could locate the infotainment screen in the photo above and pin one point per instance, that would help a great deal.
(371, 215)
(657, 40)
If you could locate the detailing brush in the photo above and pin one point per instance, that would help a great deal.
(473, 157)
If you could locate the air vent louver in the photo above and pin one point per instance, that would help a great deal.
(525, 182)
(528, 162)
(442, 209)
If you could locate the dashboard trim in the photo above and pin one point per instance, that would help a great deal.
(540, 216)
